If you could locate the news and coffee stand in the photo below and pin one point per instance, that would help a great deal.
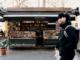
(33, 20)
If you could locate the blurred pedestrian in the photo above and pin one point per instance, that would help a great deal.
(67, 38)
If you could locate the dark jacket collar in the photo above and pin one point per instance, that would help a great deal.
(63, 26)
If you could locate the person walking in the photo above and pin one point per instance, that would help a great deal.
(67, 38)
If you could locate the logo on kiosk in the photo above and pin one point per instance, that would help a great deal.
(39, 18)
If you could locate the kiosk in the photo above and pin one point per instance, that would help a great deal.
(25, 23)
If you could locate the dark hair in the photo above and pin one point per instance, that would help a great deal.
(67, 16)
(64, 15)
(60, 15)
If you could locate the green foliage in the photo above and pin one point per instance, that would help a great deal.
(4, 43)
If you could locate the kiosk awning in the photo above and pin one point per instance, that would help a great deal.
(36, 15)
(33, 14)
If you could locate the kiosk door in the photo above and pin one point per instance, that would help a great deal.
(39, 34)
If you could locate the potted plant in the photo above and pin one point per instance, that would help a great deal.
(3, 46)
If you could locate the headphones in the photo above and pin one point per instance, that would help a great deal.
(63, 19)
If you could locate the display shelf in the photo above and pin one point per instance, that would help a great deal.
(50, 34)
(22, 35)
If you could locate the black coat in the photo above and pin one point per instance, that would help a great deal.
(66, 46)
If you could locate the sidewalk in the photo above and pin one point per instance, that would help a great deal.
(32, 54)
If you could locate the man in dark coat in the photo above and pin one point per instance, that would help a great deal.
(67, 38)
